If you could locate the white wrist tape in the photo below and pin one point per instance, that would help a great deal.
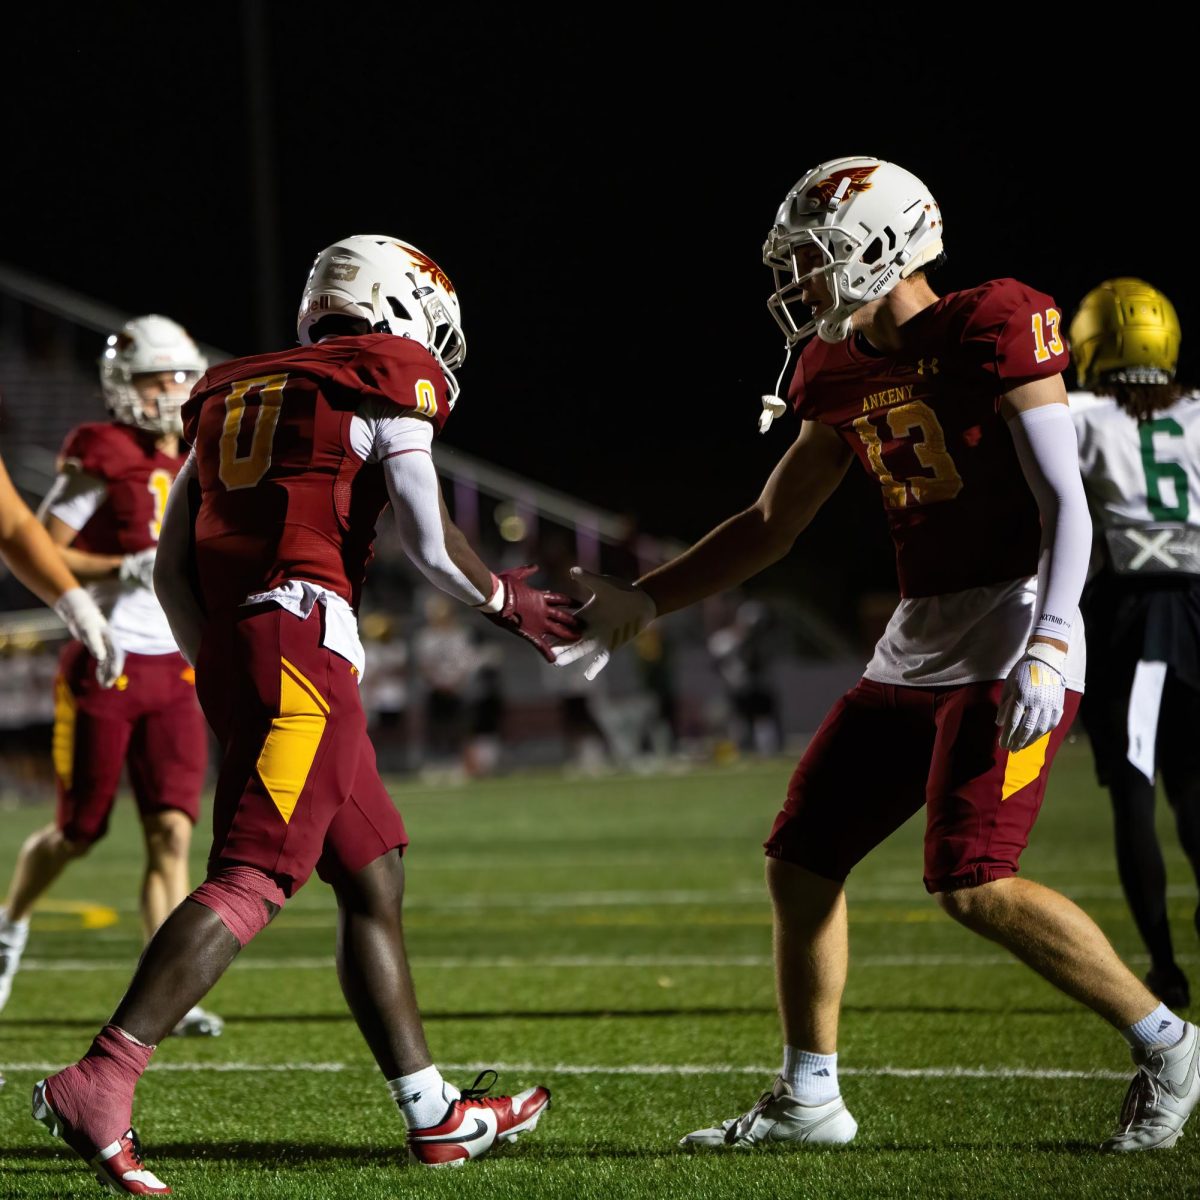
(1052, 656)
(496, 603)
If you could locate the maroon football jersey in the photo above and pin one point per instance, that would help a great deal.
(138, 477)
(925, 423)
(283, 495)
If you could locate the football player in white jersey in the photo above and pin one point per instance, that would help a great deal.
(1139, 447)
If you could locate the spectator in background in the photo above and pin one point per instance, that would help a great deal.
(446, 660)
(486, 720)
(1139, 448)
(742, 651)
(385, 688)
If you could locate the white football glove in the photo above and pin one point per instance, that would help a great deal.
(1031, 703)
(616, 613)
(137, 570)
(86, 622)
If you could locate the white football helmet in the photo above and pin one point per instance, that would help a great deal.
(395, 287)
(149, 345)
(873, 223)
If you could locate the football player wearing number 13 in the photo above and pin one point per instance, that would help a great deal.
(955, 406)
(261, 563)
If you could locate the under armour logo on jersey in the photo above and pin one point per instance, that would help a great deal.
(931, 366)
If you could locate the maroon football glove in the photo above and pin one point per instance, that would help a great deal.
(541, 618)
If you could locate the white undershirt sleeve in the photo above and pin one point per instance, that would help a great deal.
(403, 445)
(73, 498)
(1047, 449)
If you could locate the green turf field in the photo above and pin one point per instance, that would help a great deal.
(609, 938)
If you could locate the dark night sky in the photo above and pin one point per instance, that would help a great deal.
(597, 184)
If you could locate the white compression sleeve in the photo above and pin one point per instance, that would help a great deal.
(415, 492)
(1049, 455)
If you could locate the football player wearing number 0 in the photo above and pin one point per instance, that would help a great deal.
(261, 563)
(105, 509)
(1139, 448)
(955, 407)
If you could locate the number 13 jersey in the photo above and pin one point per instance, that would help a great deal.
(925, 423)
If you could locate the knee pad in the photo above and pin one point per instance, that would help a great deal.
(245, 899)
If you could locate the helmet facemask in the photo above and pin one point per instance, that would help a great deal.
(149, 346)
(873, 223)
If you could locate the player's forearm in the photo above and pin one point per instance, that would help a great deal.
(463, 556)
(732, 553)
(172, 567)
(34, 559)
(88, 567)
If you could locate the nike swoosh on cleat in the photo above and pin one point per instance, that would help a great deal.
(480, 1130)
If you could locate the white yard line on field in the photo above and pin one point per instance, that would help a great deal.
(652, 1069)
(568, 961)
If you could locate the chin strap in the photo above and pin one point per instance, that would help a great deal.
(773, 406)
(380, 323)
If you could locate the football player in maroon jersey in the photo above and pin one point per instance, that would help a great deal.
(264, 549)
(105, 509)
(955, 406)
(31, 556)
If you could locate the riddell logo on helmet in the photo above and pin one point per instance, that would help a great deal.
(857, 180)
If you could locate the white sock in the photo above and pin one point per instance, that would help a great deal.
(423, 1097)
(812, 1078)
(1159, 1028)
(13, 934)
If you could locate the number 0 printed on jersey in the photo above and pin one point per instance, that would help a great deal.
(242, 464)
(944, 484)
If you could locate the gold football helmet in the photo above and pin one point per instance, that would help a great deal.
(1124, 331)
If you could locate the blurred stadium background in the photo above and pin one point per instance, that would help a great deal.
(447, 694)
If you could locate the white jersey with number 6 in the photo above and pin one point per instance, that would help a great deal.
(1138, 473)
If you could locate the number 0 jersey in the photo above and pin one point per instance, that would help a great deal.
(284, 494)
(925, 424)
(1138, 473)
(112, 487)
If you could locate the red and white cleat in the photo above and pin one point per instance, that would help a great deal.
(118, 1166)
(475, 1122)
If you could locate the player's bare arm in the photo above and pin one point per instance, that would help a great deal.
(36, 562)
(760, 535)
(736, 550)
(172, 573)
(27, 549)
(439, 549)
(84, 565)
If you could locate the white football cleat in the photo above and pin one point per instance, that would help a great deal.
(1161, 1096)
(13, 936)
(198, 1022)
(780, 1117)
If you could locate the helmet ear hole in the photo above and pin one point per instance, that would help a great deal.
(398, 309)
(872, 253)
